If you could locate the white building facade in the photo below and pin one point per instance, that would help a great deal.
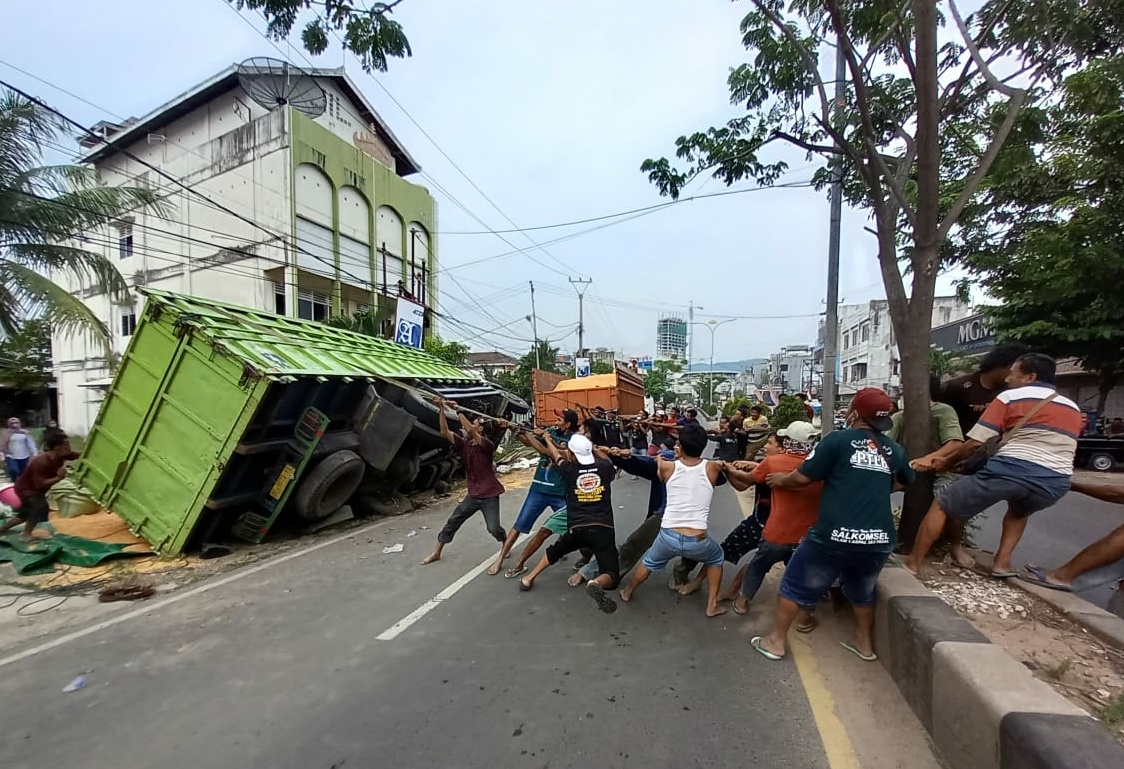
(307, 215)
(868, 352)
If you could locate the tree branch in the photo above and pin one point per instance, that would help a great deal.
(810, 62)
(974, 52)
(822, 148)
(862, 98)
(1014, 107)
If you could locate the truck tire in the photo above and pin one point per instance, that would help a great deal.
(1102, 461)
(329, 485)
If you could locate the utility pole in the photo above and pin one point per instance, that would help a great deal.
(831, 315)
(535, 325)
(581, 284)
(691, 307)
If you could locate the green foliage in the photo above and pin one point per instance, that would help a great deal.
(43, 208)
(946, 363)
(368, 32)
(790, 409)
(1047, 241)
(705, 387)
(453, 353)
(25, 357)
(601, 367)
(371, 323)
(731, 405)
(519, 381)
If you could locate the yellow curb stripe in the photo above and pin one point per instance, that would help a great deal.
(836, 743)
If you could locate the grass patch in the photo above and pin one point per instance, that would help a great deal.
(1113, 713)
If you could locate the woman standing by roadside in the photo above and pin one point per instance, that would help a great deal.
(17, 448)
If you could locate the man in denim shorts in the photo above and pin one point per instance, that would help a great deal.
(690, 482)
(854, 534)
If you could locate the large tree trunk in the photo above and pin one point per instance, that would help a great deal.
(914, 336)
(1106, 382)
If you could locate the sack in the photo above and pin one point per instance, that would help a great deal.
(975, 461)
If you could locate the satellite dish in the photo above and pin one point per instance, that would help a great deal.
(275, 83)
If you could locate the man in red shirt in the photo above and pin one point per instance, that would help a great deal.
(792, 512)
(484, 488)
(43, 472)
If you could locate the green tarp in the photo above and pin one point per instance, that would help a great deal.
(40, 557)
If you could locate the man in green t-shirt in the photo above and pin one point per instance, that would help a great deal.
(854, 534)
(945, 437)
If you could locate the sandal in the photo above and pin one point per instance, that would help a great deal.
(1036, 575)
(855, 650)
(514, 572)
(755, 642)
(524, 587)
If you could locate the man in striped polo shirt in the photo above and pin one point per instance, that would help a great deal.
(1030, 471)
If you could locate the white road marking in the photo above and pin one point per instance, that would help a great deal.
(200, 590)
(403, 624)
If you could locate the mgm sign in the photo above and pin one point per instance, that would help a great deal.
(973, 334)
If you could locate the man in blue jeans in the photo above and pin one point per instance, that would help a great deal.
(547, 490)
(854, 534)
(690, 482)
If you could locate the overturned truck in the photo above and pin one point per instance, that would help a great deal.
(220, 418)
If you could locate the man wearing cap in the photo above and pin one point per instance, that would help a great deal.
(792, 512)
(587, 479)
(854, 534)
(547, 489)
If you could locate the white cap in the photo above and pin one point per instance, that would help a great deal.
(582, 448)
(801, 432)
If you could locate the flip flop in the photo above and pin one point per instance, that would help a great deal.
(855, 650)
(524, 587)
(604, 602)
(1003, 574)
(740, 612)
(755, 642)
(1036, 575)
(514, 572)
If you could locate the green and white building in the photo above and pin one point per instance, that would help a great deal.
(299, 204)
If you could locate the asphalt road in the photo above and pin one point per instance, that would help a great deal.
(282, 665)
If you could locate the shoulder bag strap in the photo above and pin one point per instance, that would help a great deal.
(1007, 436)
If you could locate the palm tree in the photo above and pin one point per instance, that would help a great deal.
(41, 209)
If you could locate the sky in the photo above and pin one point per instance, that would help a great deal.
(531, 113)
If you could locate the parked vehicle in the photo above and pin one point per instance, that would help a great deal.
(219, 417)
(1099, 453)
(621, 390)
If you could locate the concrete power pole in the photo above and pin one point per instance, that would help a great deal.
(831, 315)
(581, 284)
(535, 325)
(691, 307)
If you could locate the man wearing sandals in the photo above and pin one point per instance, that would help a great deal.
(854, 534)
(1101, 563)
(587, 479)
(1031, 470)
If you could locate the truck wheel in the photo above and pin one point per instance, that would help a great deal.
(329, 485)
(1102, 462)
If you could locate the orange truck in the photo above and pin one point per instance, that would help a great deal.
(621, 390)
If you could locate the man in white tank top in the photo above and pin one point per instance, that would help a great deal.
(690, 482)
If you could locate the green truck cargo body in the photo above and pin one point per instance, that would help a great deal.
(206, 399)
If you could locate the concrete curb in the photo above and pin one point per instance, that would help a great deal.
(982, 708)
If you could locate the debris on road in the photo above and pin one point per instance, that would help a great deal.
(396, 548)
(413, 533)
(75, 685)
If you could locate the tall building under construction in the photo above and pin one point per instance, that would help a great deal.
(671, 338)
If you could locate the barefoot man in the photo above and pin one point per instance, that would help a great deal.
(32, 485)
(484, 487)
(690, 482)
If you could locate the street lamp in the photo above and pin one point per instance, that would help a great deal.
(713, 325)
